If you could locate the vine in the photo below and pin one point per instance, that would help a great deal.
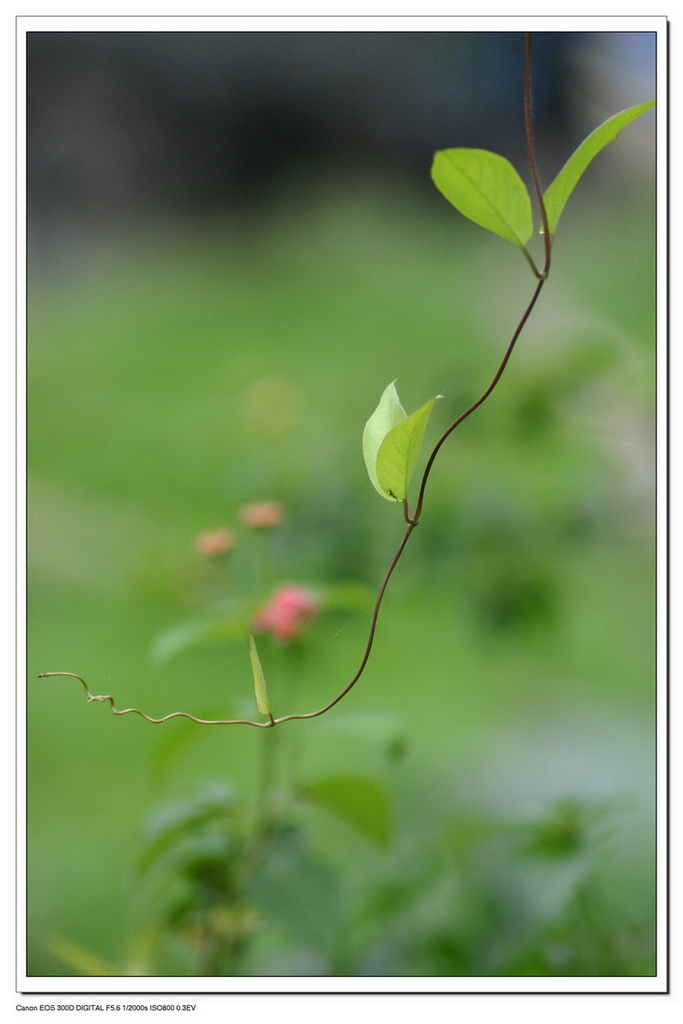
(487, 189)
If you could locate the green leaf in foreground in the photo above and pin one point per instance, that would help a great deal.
(391, 444)
(557, 194)
(388, 414)
(487, 189)
(359, 801)
(262, 702)
(399, 452)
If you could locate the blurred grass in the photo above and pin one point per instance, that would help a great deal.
(179, 373)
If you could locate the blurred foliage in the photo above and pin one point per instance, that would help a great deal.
(482, 803)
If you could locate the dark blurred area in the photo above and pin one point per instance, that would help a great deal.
(130, 124)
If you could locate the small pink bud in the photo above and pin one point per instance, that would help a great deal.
(261, 515)
(215, 543)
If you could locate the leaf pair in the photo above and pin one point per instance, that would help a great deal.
(391, 444)
(487, 189)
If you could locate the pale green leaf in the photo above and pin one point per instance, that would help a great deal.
(399, 452)
(262, 702)
(233, 625)
(557, 194)
(359, 801)
(487, 189)
(170, 822)
(388, 414)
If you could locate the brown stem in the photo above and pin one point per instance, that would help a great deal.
(371, 637)
(532, 154)
(479, 401)
(542, 276)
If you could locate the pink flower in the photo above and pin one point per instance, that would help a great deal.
(289, 609)
(215, 543)
(259, 515)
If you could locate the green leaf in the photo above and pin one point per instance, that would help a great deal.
(178, 818)
(557, 194)
(486, 188)
(359, 801)
(188, 635)
(388, 414)
(399, 452)
(296, 891)
(262, 702)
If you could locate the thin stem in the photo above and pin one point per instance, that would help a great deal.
(532, 154)
(542, 277)
(479, 401)
(266, 775)
(530, 260)
(371, 637)
(158, 721)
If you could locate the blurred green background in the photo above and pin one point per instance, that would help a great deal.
(182, 363)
